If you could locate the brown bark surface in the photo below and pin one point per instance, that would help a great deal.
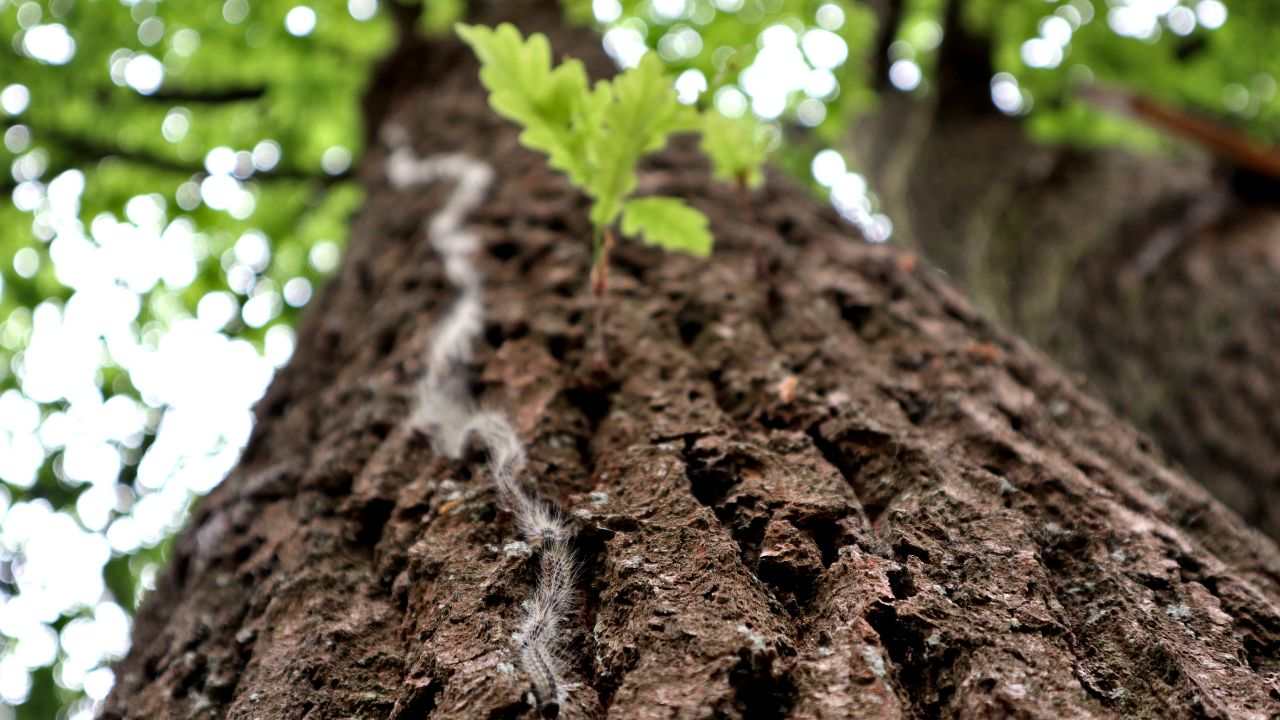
(1181, 334)
(1155, 277)
(831, 491)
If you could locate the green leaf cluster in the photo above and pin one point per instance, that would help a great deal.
(668, 223)
(595, 134)
(737, 147)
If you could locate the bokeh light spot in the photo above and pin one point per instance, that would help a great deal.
(26, 262)
(827, 167)
(1211, 13)
(690, 85)
(625, 45)
(176, 124)
(336, 160)
(17, 138)
(324, 256)
(50, 44)
(266, 154)
(1006, 94)
(144, 73)
(830, 17)
(300, 21)
(905, 75)
(606, 11)
(151, 31)
(14, 98)
(235, 11)
(362, 10)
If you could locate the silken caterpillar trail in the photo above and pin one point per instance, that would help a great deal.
(449, 414)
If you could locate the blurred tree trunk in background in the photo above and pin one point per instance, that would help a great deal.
(814, 483)
(1153, 277)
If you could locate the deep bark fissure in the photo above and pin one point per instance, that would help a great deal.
(851, 465)
(920, 675)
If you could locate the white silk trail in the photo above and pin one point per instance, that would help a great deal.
(453, 420)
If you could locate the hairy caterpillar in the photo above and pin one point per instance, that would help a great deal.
(446, 410)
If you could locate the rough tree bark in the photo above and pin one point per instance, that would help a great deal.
(833, 491)
(1154, 277)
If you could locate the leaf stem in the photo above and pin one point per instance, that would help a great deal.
(600, 265)
(599, 287)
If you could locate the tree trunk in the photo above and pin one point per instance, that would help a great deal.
(1151, 276)
(832, 490)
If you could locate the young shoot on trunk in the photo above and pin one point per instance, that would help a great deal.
(597, 135)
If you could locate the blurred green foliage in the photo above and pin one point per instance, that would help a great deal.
(729, 40)
(1217, 57)
(230, 119)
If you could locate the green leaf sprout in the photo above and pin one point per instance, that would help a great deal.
(598, 134)
(668, 223)
(737, 147)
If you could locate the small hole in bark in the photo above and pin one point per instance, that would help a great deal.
(494, 335)
(277, 405)
(691, 320)
(1189, 564)
(901, 584)
(418, 439)
(1088, 470)
(558, 346)
(915, 408)
(332, 340)
(504, 250)
(762, 692)
(856, 315)
(372, 520)
(386, 342)
(364, 278)
(182, 566)
(420, 703)
(689, 331)
(594, 403)
(245, 550)
(828, 535)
